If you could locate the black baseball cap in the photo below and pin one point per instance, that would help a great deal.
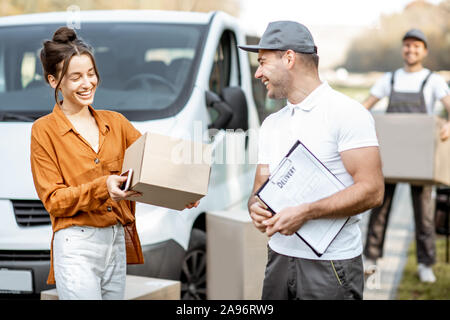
(285, 35)
(416, 34)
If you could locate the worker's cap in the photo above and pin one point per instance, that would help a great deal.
(416, 34)
(285, 35)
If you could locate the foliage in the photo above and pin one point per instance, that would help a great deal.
(379, 49)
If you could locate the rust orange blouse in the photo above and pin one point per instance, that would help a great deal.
(70, 177)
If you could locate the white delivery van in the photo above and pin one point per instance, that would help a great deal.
(173, 73)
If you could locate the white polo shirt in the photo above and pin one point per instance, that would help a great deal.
(327, 122)
(435, 89)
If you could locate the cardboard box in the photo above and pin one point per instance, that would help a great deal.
(139, 288)
(169, 172)
(236, 256)
(411, 150)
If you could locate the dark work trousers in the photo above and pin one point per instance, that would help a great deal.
(424, 224)
(290, 278)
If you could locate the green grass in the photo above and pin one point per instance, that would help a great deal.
(411, 288)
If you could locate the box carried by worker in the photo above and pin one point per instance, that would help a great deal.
(411, 149)
(167, 171)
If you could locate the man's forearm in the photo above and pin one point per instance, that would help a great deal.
(446, 102)
(370, 101)
(351, 201)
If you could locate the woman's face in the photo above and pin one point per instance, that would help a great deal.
(79, 83)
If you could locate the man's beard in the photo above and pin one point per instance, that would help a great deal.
(414, 63)
(279, 90)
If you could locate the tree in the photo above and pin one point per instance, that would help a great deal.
(378, 49)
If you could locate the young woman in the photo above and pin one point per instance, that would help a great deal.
(76, 156)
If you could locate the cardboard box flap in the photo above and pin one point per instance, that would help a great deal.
(176, 158)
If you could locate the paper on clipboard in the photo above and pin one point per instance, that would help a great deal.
(301, 178)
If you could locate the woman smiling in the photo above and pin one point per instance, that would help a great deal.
(76, 156)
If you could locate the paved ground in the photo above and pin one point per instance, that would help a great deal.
(383, 284)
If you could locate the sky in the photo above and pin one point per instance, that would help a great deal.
(256, 14)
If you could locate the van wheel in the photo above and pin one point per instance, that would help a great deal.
(193, 269)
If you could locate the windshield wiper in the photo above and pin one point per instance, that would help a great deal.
(8, 116)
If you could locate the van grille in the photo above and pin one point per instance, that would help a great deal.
(30, 213)
(24, 255)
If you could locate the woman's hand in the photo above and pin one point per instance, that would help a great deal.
(113, 184)
(192, 205)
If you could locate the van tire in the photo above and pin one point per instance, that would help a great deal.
(193, 269)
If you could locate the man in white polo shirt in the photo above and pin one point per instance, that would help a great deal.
(340, 132)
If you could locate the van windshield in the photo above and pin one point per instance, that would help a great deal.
(147, 70)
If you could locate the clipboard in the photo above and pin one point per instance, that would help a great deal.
(301, 177)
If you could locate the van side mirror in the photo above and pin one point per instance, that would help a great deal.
(230, 109)
(235, 99)
(222, 112)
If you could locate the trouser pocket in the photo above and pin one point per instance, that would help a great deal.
(338, 278)
(349, 274)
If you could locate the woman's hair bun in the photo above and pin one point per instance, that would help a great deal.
(64, 35)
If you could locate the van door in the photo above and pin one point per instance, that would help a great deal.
(228, 127)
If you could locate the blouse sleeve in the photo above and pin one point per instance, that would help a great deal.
(130, 132)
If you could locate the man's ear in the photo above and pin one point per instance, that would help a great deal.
(52, 81)
(290, 57)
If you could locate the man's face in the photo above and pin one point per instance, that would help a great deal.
(272, 73)
(413, 51)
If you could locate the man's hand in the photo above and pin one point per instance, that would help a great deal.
(257, 209)
(259, 214)
(113, 184)
(288, 220)
(445, 131)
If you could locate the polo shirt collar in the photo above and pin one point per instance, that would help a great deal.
(65, 125)
(311, 100)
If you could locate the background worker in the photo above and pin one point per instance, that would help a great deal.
(411, 89)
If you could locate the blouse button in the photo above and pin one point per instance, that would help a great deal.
(109, 209)
(96, 161)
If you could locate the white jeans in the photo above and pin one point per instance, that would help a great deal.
(90, 263)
